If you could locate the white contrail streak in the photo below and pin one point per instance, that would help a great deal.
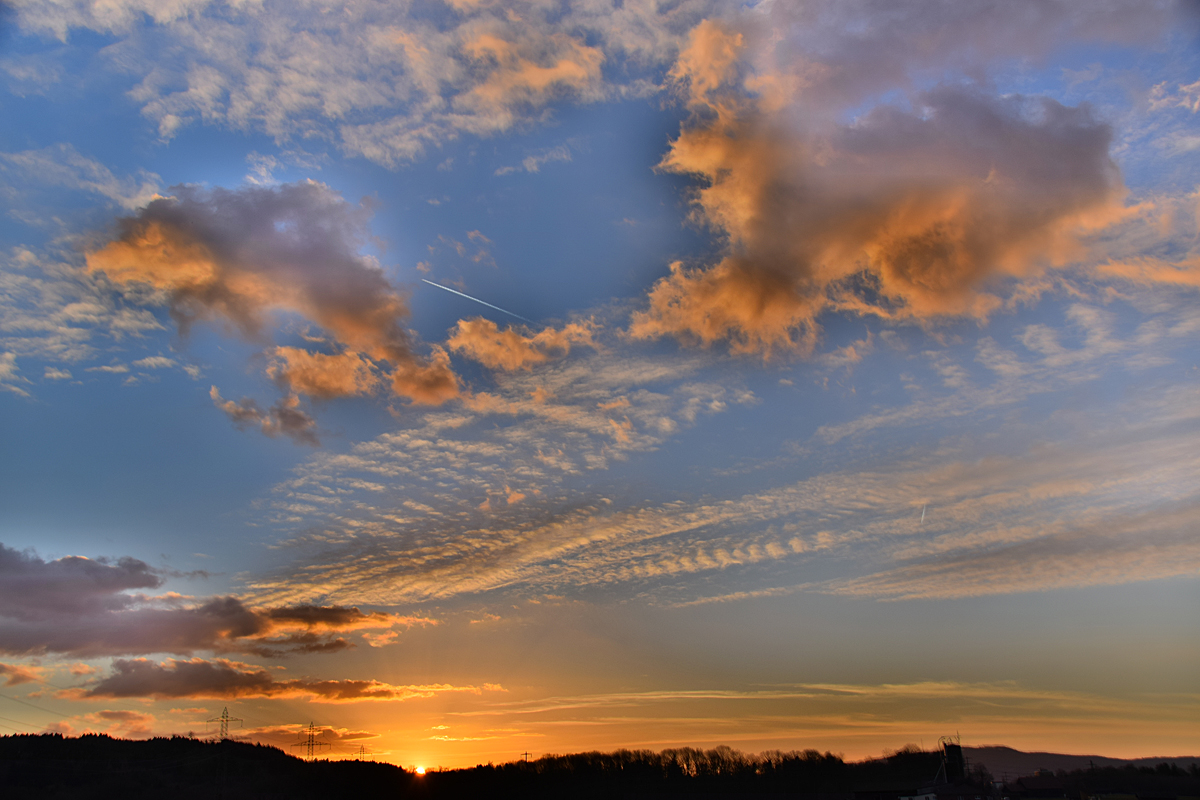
(922, 515)
(477, 300)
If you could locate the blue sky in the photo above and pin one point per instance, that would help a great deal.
(856, 405)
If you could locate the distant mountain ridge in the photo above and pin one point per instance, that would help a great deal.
(1001, 760)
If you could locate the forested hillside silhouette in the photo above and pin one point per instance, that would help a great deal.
(52, 766)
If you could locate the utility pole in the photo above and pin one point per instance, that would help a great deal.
(310, 742)
(526, 756)
(224, 719)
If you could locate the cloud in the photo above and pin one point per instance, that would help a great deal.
(382, 81)
(10, 374)
(112, 369)
(52, 310)
(63, 165)
(482, 340)
(527, 71)
(93, 607)
(1123, 548)
(238, 255)
(1055, 515)
(284, 736)
(224, 679)
(154, 362)
(533, 163)
(128, 724)
(535, 432)
(283, 418)
(390, 82)
(906, 212)
(320, 375)
(428, 383)
(15, 674)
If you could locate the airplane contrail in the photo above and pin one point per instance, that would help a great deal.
(922, 515)
(477, 300)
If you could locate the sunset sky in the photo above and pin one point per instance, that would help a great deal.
(836, 382)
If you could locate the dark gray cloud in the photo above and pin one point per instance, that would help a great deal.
(284, 417)
(847, 52)
(88, 608)
(224, 679)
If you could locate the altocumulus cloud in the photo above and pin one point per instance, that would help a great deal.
(383, 80)
(92, 607)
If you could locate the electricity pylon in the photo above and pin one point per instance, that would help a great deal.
(224, 719)
(310, 742)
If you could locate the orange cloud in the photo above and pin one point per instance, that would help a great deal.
(320, 375)
(482, 340)
(238, 256)
(1149, 270)
(527, 73)
(15, 674)
(901, 214)
(428, 383)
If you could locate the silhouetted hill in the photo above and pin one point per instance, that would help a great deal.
(51, 766)
(1005, 760)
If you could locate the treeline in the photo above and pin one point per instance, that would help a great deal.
(51, 766)
(95, 765)
(720, 772)
(1163, 781)
(54, 767)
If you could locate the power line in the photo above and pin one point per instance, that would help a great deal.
(39, 708)
(19, 722)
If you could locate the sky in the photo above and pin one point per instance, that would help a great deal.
(473, 378)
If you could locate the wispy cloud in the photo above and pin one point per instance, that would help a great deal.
(51, 310)
(63, 166)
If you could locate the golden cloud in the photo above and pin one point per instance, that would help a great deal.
(902, 213)
(238, 256)
(320, 375)
(509, 350)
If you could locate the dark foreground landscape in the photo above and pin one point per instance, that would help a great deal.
(98, 766)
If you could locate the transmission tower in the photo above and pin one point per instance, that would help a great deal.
(224, 719)
(362, 752)
(310, 742)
